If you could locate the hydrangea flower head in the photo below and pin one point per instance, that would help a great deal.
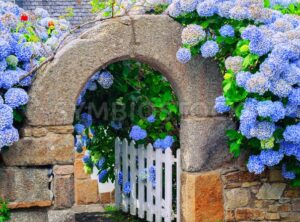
(206, 8)
(101, 163)
(242, 78)
(12, 61)
(263, 130)
(86, 158)
(151, 119)
(137, 133)
(227, 31)
(188, 5)
(290, 175)
(183, 55)
(270, 157)
(102, 176)
(274, 110)
(6, 116)
(127, 188)
(23, 52)
(209, 49)
(255, 165)
(292, 134)
(192, 34)
(220, 105)
(106, 79)
(174, 9)
(120, 178)
(5, 49)
(79, 129)
(86, 119)
(234, 63)
(8, 136)
(294, 97)
(152, 176)
(16, 97)
(257, 83)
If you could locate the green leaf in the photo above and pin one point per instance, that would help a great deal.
(232, 134)
(169, 126)
(163, 115)
(267, 3)
(296, 182)
(235, 148)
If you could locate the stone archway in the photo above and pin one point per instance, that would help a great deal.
(47, 137)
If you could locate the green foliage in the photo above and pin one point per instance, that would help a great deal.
(291, 9)
(138, 92)
(4, 211)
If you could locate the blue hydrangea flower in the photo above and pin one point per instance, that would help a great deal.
(174, 9)
(270, 157)
(291, 110)
(294, 97)
(234, 63)
(192, 34)
(16, 97)
(183, 55)
(152, 176)
(220, 105)
(91, 86)
(158, 144)
(262, 47)
(224, 8)
(242, 78)
(86, 158)
(227, 31)
(263, 130)
(127, 188)
(285, 51)
(252, 33)
(8, 79)
(165, 143)
(281, 88)
(239, 13)
(274, 110)
(102, 176)
(291, 75)
(78, 145)
(188, 5)
(290, 149)
(209, 49)
(290, 175)
(206, 8)
(3, 65)
(137, 133)
(106, 79)
(79, 129)
(292, 134)
(8, 136)
(40, 12)
(6, 116)
(117, 125)
(86, 119)
(258, 83)
(151, 119)
(5, 49)
(23, 52)
(101, 163)
(120, 178)
(255, 165)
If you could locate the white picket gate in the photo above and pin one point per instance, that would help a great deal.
(145, 201)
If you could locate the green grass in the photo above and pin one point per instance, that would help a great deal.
(114, 214)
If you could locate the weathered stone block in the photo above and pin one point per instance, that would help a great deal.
(61, 216)
(237, 198)
(48, 150)
(202, 197)
(203, 143)
(63, 170)
(249, 214)
(86, 192)
(27, 187)
(79, 170)
(271, 191)
(29, 216)
(63, 190)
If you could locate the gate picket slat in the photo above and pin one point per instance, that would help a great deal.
(141, 185)
(125, 173)
(150, 158)
(158, 188)
(168, 181)
(133, 175)
(118, 192)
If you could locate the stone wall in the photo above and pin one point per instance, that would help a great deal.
(82, 8)
(266, 197)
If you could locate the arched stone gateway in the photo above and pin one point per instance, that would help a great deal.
(210, 183)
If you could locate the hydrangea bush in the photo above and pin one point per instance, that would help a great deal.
(129, 100)
(26, 40)
(258, 51)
